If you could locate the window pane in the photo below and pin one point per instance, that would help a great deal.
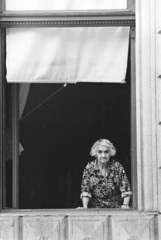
(65, 4)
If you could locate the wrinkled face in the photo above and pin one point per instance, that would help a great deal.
(103, 154)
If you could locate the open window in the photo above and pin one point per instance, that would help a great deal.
(47, 140)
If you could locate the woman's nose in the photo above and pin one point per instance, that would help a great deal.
(103, 154)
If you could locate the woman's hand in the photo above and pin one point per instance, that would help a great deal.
(125, 206)
(81, 208)
(125, 194)
(85, 201)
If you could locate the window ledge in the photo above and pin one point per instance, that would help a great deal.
(74, 212)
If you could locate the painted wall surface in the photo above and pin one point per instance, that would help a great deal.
(129, 226)
(148, 104)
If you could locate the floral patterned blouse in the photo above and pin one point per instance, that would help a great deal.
(104, 191)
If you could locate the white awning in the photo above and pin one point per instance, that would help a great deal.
(58, 55)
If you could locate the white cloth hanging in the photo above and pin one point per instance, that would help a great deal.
(58, 55)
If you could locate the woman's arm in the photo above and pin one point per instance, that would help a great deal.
(85, 188)
(125, 188)
(126, 200)
(85, 201)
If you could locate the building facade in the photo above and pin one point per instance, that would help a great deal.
(143, 223)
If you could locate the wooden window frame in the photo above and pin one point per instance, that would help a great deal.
(38, 19)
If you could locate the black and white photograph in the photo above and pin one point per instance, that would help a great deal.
(80, 120)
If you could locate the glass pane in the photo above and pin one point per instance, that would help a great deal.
(65, 4)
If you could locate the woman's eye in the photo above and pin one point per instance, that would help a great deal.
(105, 152)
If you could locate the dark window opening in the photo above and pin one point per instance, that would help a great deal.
(57, 144)
(58, 135)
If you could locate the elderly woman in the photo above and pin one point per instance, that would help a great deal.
(104, 182)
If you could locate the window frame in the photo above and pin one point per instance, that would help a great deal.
(30, 19)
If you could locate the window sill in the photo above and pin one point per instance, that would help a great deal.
(74, 212)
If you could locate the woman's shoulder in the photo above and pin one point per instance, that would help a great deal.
(116, 163)
(91, 164)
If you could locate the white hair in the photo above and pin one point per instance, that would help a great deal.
(103, 142)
